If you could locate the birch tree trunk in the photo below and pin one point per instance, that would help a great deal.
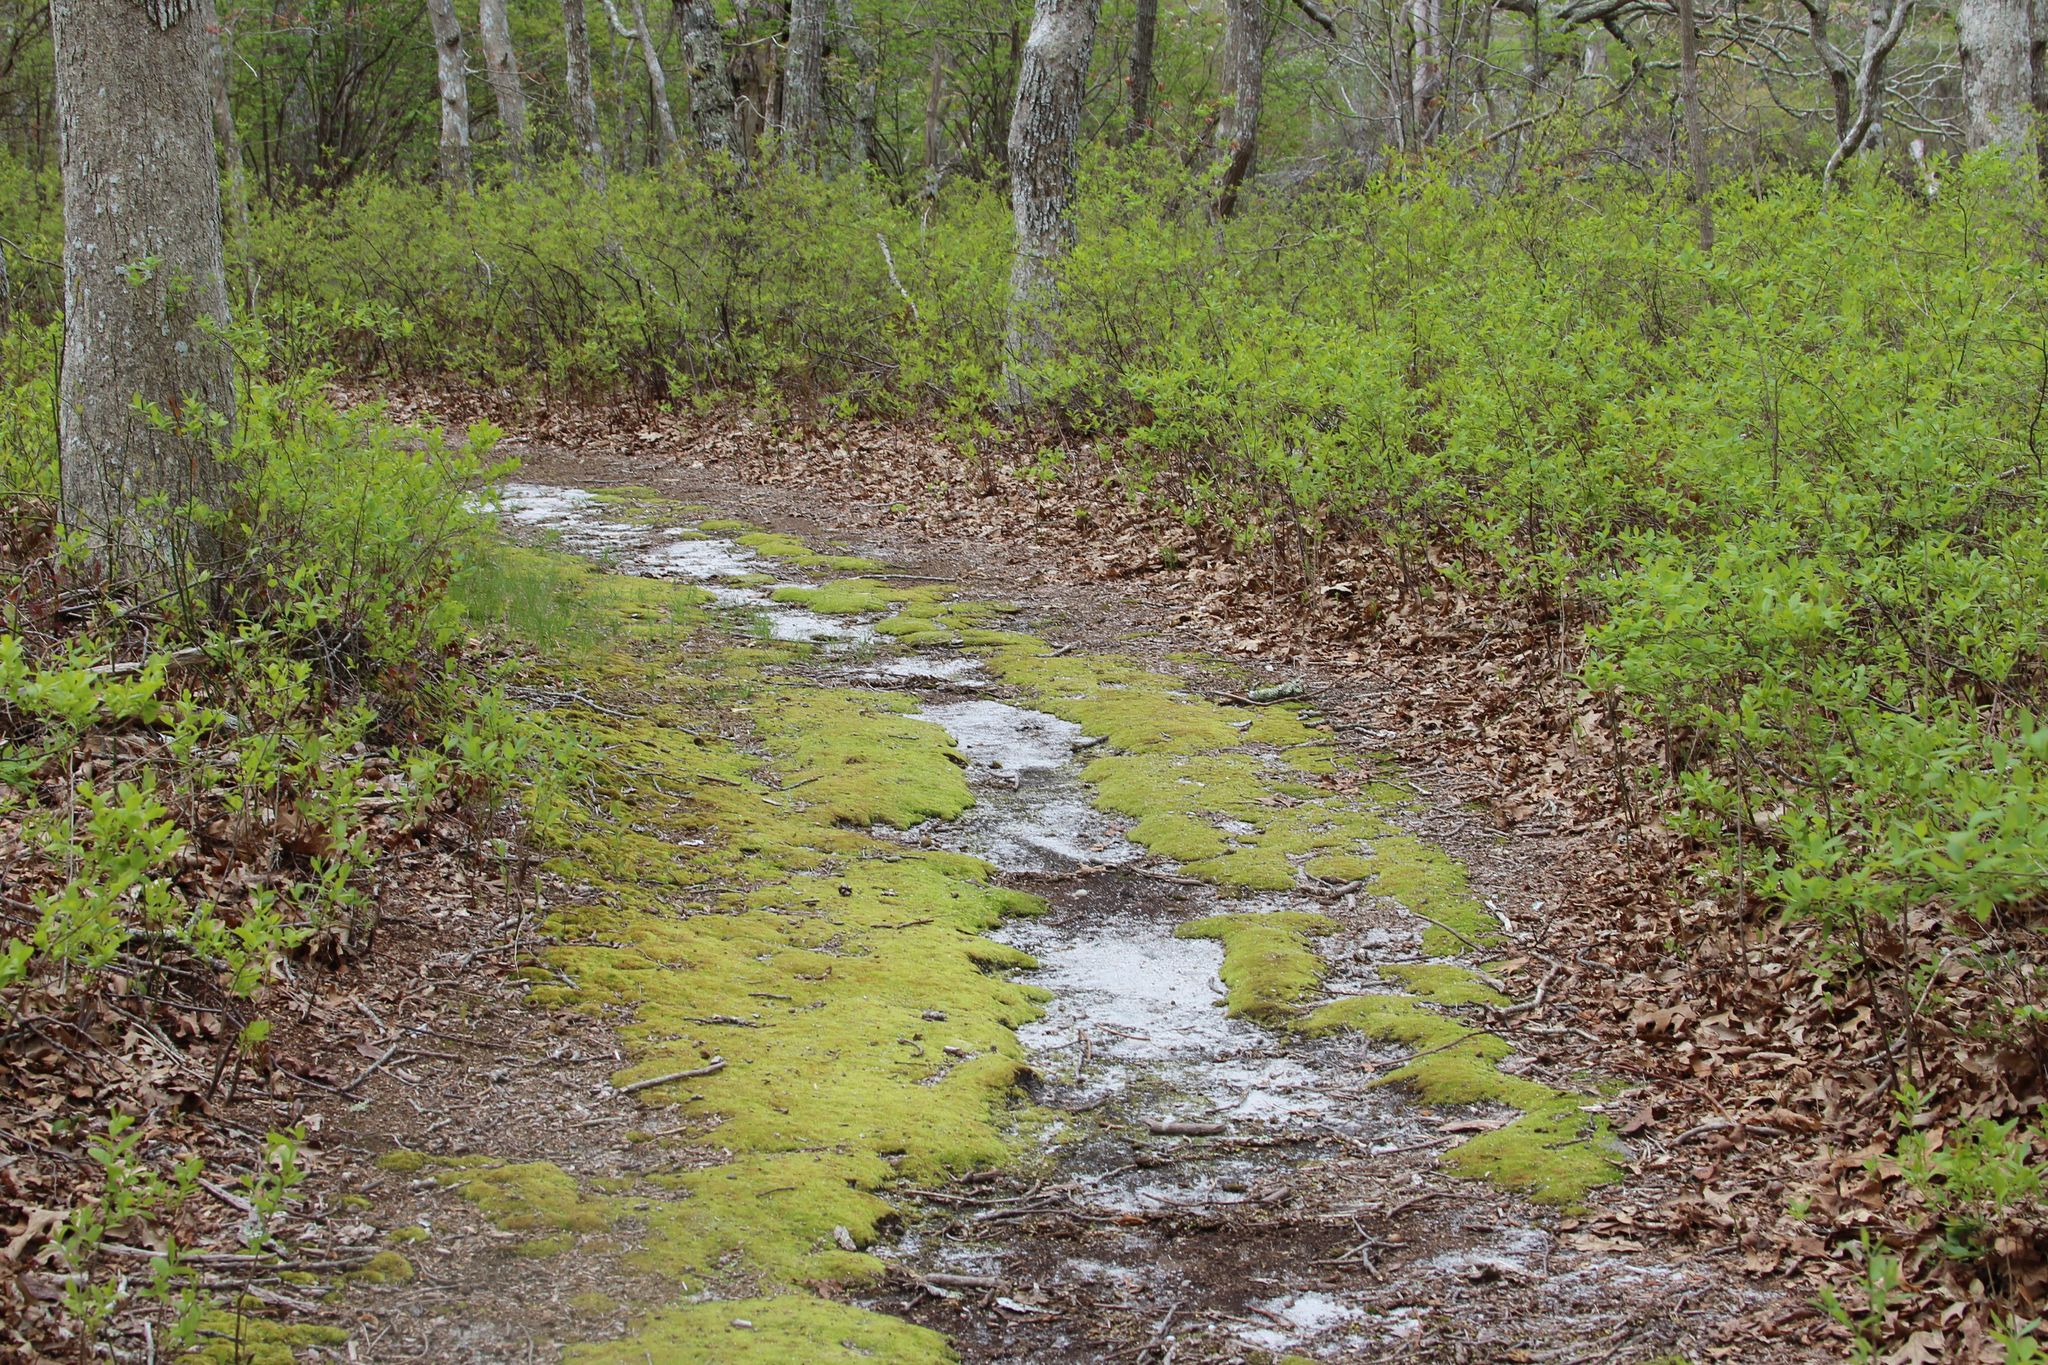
(1695, 127)
(934, 127)
(1044, 129)
(1995, 39)
(657, 79)
(1426, 17)
(710, 82)
(803, 83)
(144, 293)
(867, 90)
(1141, 70)
(451, 65)
(230, 144)
(582, 94)
(1244, 88)
(501, 69)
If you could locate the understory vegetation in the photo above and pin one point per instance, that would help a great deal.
(199, 791)
(1780, 508)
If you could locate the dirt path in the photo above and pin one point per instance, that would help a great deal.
(969, 979)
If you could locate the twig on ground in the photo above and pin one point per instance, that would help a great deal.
(716, 1064)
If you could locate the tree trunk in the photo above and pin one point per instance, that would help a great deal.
(1044, 130)
(1426, 16)
(582, 94)
(1244, 82)
(501, 69)
(1695, 127)
(803, 83)
(934, 126)
(144, 293)
(710, 81)
(1141, 71)
(230, 143)
(1880, 35)
(867, 91)
(657, 79)
(452, 69)
(1995, 40)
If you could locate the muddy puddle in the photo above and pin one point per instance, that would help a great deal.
(1193, 1187)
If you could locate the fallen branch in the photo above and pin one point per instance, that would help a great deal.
(716, 1064)
(1182, 1128)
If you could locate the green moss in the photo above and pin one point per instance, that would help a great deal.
(386, 1267)
(1430, 882)
(230, 1339)
(777, 1331)
(352, 1201)
(410, 1234)
(857, 596)
(791, 550)
(1268, 966)
(542, 1248)
(1558, 1154)
(1443, 983)
(727, 526)
(777, 1216)
(399, 1161)
(593, 1305)
(528, 1196)
(1555, 1151)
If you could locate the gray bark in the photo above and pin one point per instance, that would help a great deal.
(867, 76)
(1044, 130)
(1426, 17)
(934, 109)
(1880, 35)
(1695, 125)
(144, 288)
(709, 79)
(1995, 39)
(657, 79)
(1244, 89)
(1141, 70)
(501, 69)
(582, 95)
(452, 77)
(230, 141)
(803, 82)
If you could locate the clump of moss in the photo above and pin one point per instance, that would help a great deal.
(1443, 983)
(400, 1161)
(1268, 966)
(527, 1196)
(593, 1305)
(386, 1267)
(228, 1338)
(414, 1233)
(774, 1331)
(791, 550)
(1558, 1154)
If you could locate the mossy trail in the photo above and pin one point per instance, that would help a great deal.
(816, 1005)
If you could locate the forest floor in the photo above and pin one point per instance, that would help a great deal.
(956, 945)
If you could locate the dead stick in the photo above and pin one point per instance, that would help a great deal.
(717, 1064)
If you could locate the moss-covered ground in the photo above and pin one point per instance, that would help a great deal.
(818, 1008)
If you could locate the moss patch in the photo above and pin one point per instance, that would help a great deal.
(790, 550)
(386, 1267)
(529, 1196)
(226, 1339)
(1443, 983)
(1267, 964)
(773, 1331)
